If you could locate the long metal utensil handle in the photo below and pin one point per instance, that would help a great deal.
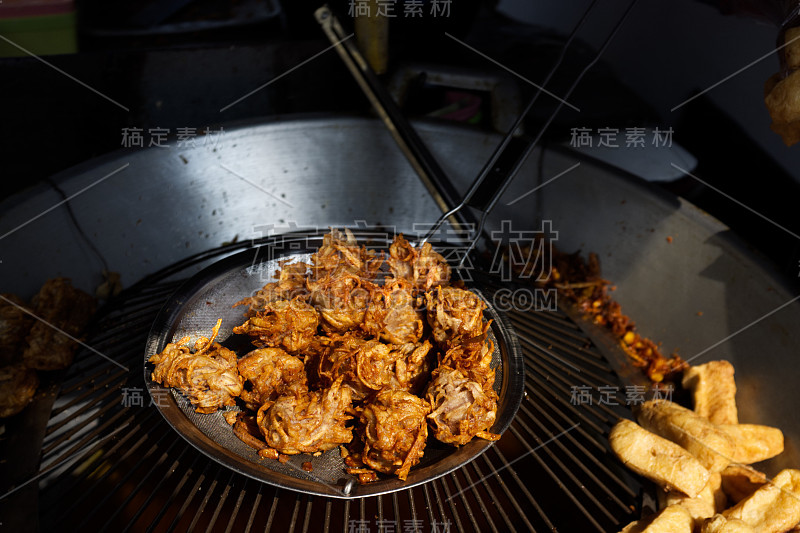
(484, 194)
(425, 165)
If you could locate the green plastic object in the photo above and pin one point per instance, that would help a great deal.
(40, 35)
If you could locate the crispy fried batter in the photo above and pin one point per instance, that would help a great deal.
(340, 255)
(14, 327)
(461, 408)
(413, 366)
(392, 314)
(287, 324)
(341, 330)
(342, 275)
(454, 314)
(309, 423)
(17, 388)
(367, 366)
(423, 267)
(341, 301)
(272, 373)
(394, 432)
(291, 284)
(208, 376)
(62, 306)
(474, 360)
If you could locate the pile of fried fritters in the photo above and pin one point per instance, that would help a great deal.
(357, 342)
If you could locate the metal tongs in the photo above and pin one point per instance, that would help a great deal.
(494, 178)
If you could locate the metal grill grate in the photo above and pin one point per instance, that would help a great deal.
(106, 466)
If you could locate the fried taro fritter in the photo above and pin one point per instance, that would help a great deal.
(17, 387)
(454, 314)
(287, 324)
(208, 377)
(473, 360)
(342, 275)
(341, 302)
(461, 408)
(309, 423)
(62, 306)
(394, 432)
(423, 267)
(367, 366)
(392, 314)
(340, 254)
(14, 327)
(272, 373)
(413, 367)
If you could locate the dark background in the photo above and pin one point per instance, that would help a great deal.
(180, 71)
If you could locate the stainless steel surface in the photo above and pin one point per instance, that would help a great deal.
(160, 210)
(193, 311)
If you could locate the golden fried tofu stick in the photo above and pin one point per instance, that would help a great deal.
(720, 524)
(754, 443)
(712, 446)
(739, 482)
(713, 390)
(773, 508)
(702, 506)
(657, 459)
(673, 519)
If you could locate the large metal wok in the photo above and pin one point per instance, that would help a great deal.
(697, 293)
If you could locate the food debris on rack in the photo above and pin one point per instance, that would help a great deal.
(29, 346)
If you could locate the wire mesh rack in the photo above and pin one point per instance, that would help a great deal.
(109, 462)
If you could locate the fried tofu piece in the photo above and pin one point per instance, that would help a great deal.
(754, 443)
(704, 505)
(720, 524)
(673, 519)
(792, 48)
(713, 390)
(774, 507)
(739, 482)
(782, 99)
(709, 444)
(720, 499)
(657, 459)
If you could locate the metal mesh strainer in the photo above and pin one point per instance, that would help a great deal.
(194, 309)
